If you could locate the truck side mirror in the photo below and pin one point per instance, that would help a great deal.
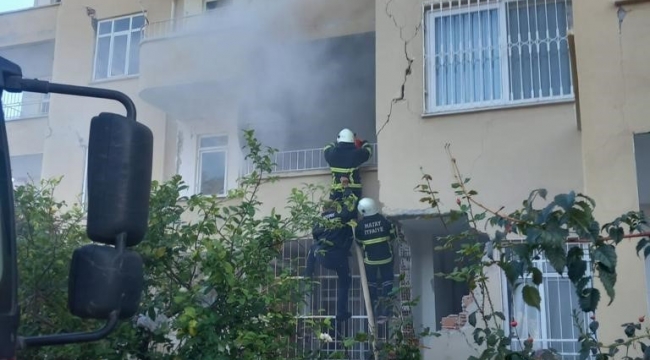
(120, 153)
(108, 278)
(102, 279)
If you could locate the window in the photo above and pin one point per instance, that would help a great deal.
(497, 52)
(214, 4)
(26, 169)
(117, 50)
(212, 165)
(553, 327)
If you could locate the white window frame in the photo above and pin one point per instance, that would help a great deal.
(211, 149)
(544, 342)
(112, 36)
(429, 88)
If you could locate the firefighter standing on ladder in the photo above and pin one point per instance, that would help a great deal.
(331, 248)
(375, 234)
(344, 158)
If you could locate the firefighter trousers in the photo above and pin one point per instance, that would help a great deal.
(380, 284)
(336, 260)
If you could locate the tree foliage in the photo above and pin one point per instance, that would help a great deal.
(566, 233)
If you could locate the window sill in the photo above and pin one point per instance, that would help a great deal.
(523, 104)
(114, 78)
(31, 117)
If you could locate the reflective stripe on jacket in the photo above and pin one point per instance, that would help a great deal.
(375, 235)
(344, 160)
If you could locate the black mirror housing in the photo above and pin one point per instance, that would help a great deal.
(102, 280)
(120, 157)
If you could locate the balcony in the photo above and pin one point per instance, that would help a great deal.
(193, 67)
(30, 25)
(294, 161)
(19, 106)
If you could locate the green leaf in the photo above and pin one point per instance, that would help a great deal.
(531, 296)
(511, 270)
(606, 255)
(588, 299)
(565, 201)
(500, 315)
(556, 255)
(608, 279)
(472, 319)
(641, 245)
(537, 275)
(576, 266)
(616, 233)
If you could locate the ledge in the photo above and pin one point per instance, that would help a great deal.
(499, 107)
(630, 2)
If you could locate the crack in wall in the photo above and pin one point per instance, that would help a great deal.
(409, 64)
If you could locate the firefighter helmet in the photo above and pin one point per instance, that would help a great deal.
(346, 136)
(367, 207)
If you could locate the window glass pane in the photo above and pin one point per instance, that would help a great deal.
(137, 22)
(213, 173)
(213, 141)
(122, 25)
(539, 60)
(101, 63)
(26, 169)
(119, 55)
(467, 57)
(105, 27)
(134, 53)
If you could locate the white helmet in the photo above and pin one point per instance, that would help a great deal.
(346, 136)
(367, 207)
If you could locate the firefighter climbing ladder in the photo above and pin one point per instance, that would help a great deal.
(406, 315)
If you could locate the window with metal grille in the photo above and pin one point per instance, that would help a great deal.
(492, 53)
(553, 326)
(322, 305)
(117, 50)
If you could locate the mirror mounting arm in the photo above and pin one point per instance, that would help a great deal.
(60, 339)
(17, 84)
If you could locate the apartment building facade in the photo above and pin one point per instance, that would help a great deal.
(496, 79)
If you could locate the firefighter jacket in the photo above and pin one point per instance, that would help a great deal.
(375, 235)
(344, 160)
(336, 232)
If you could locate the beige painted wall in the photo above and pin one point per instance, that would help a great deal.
(509, 152)
(70, 116)
(614, 80)
(41, 20)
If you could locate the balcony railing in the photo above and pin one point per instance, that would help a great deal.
(207, 21)
(22, 106)
(302, 160)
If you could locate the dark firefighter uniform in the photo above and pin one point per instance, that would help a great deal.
(375, 234)
(344, 160)
(331, 248)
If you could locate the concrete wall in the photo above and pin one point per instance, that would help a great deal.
(29, 25)
(614, 78)
(69, 118)
(509, 152)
